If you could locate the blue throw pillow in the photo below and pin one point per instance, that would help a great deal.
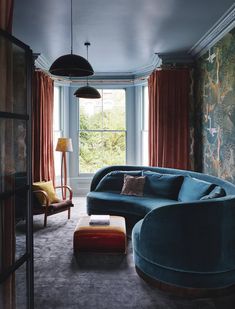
(165, 185)
(113, 181)
(194, 189)
(216, 192)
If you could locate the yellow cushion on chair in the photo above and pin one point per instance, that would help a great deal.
(48, 187)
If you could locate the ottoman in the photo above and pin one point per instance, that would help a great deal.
(100, 238)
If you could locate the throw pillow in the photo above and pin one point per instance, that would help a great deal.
(133, 185)
(194, 189)
(216, 192)
(113, 181)
(48, 187)
(165, 185)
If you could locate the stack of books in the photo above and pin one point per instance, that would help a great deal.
(99, 220)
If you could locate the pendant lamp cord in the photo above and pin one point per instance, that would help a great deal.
(71, 26)
(87, 44)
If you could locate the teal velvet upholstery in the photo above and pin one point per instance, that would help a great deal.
(188, 244)
(194, 189)
(162, 185)
(216, 192)
(113, 181)
(192, 245)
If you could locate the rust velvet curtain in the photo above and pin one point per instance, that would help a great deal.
(6, 13)
(42, 127)
(169, 118)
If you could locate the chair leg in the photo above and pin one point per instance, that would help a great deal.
(69, 213)
(45, 220)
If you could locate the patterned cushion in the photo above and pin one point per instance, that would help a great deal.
(133, 185)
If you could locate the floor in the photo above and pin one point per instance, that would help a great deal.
(99, 281)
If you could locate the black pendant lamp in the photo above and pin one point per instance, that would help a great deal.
(71, 65)
(87, 92)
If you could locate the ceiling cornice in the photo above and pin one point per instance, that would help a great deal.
(42, 63)
(220, 28)
(180, 58)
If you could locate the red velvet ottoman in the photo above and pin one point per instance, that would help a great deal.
(100, 238)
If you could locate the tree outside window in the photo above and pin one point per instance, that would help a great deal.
(102, 131)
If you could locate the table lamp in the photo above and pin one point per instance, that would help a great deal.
(64, 144)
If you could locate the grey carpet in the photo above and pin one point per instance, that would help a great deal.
(93, 280)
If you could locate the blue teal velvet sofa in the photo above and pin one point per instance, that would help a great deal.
(185, 230)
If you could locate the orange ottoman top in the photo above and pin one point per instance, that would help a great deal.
(100, 238)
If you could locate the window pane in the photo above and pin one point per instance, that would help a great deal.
(90, 114)
(12, 77)
(98, 149)
(57, 154)
(146, 108)
(114, 109)
(145, 153)
(20, 221)
(56, 112)
(90, 151)
(100, 143)
(114, 148)
(13, 150)
(21, 287)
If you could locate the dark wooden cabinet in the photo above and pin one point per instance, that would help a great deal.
(16, 235)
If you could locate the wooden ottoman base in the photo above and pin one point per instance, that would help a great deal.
(100, 238)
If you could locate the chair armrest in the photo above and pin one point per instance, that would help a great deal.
(45, 195)
(68, 188)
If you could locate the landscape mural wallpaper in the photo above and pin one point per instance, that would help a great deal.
(215, 110)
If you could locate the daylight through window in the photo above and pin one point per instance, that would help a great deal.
(102, 131)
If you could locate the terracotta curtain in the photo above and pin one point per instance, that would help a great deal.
(169, 118)
(42, 126)
(7, 209)
(6, 13)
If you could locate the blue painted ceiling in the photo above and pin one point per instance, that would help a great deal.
(124, 34)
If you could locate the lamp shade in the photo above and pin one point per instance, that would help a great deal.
(64, 144)
(87, 92)
(71, 65)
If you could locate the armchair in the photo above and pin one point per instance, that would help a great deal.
(48, 208)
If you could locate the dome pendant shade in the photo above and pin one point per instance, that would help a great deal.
(71, 65)
(87, 92)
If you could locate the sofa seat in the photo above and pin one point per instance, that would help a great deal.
(124, 205)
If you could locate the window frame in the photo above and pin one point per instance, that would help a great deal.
(144, 125)
(87, 174)
(58, 133)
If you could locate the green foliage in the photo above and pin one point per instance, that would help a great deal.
(101, 146)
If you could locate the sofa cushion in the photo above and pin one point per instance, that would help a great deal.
(165, 185)
(216, 192)
(194, 189)
(113, 181)
(133, 185)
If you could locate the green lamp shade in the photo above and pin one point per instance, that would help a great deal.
(71, 65)
(87, 92)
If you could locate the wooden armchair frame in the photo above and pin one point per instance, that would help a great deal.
(47, 207)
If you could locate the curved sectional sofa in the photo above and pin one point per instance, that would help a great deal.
(185, 230)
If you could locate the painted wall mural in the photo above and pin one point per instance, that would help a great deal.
(215, 110)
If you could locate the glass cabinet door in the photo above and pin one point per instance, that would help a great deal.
(16, 250)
